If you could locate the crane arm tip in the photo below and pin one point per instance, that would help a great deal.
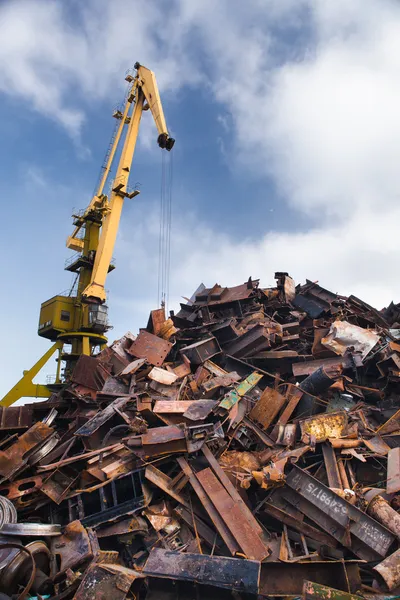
(164, 141)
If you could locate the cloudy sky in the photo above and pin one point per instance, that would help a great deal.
(287, 121)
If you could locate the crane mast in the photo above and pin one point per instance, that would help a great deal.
(77, 323)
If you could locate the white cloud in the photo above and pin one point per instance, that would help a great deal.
(322, 119)
(61, 58)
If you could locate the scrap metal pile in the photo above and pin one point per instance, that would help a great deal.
(248, 445)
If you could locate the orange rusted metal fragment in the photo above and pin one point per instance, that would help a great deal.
(267, 407)
(17, 454)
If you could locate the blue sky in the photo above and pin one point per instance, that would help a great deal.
(287, 155)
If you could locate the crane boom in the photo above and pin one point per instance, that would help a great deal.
(144, 88)
(73, 241)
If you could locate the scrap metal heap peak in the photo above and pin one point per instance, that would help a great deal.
(245, 446)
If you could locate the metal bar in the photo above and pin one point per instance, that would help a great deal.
(331, 467)
(232, 491)
(208, 505)
(343, 474)
(162, 481)
(231, 513)
(294, 399)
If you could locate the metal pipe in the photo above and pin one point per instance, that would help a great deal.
(381, 510)
(388, 571)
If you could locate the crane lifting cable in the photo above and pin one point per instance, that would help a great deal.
(164, 242)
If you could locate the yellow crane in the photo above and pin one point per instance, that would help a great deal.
(77, 323)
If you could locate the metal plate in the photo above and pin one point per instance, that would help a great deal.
(327, 425)
(150, 347)
(267, 408)
(90, 372)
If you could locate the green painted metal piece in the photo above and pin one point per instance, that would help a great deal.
(237, 394)
(316, 591)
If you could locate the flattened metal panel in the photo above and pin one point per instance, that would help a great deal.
(163, 435)
(310, 306)
(229, 573)
(377, 445)
(327, 425)
(220, 381)
(90, 372)
(150, 347)
(268, 406)
(200, 409)
(173, 406)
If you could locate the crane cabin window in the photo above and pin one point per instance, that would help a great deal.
(65, 315)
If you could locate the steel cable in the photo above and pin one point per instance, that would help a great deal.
(164, 242)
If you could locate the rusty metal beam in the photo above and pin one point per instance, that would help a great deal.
(215, 517)
(228, 573)
(331, 467)
(244, 533)
(369, 539)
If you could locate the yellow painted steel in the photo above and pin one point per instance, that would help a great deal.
(98, 199)
(25, 388)
(80, 320)
(147, 82)
(144, 88)
(56, 316)
(111, 223)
